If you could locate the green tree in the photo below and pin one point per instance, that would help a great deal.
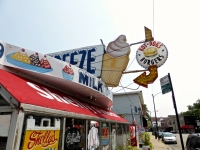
(193, 109)
(147, 112)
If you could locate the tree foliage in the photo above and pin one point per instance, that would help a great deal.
(193, 109)
(147, 112)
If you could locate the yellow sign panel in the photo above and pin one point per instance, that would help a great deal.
(145, 79)
(41, 140)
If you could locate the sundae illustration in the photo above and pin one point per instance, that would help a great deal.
(45, 63)
(68, 73)
(35, 59)
(151, 51)
(32, 62)
(21, 56)
(115, 61)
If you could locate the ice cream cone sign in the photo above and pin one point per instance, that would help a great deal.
(115, 61)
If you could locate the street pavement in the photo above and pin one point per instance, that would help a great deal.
(158, 144)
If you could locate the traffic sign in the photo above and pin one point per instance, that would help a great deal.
(165, 84)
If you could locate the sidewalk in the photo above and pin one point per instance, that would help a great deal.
(158, 145)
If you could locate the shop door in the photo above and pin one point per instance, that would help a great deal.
(5, 119)
(4, 128)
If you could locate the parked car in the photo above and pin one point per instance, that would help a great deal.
(193, 141)
(173, 131)
(168, 137)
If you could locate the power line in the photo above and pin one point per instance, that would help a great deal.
(153, 19)
(126, 87)
(126, 94)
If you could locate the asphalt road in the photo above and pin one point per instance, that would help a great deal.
(178, 145)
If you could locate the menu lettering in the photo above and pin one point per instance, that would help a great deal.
(44, 92)
(42, 138)
(86, 55)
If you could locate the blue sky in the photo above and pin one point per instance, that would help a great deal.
(49, 26)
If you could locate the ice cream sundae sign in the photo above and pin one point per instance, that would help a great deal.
(152, 53)
(22, 58)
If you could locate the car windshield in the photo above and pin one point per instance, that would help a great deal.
(168, 135)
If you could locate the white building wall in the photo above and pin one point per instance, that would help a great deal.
(122, 104)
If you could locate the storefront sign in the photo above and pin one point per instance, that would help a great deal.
(41, 139)
(91, 81)
(46, 93)
(24, 59)
(88, 58)
(105, 138)
(141, 130)
(1, 50)
(72, 138)
(152, 53)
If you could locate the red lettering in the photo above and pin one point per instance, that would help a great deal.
(44, 139)
(156, 44)
(142, 47)
(105, 132)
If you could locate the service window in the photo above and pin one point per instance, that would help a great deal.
(75, 134)
(40, 132)
(4, 128)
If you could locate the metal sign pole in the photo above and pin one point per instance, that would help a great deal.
(156, 119)
(177, 118)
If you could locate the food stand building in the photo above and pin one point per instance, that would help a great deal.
(46, 103)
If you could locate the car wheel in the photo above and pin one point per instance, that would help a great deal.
(175, 142)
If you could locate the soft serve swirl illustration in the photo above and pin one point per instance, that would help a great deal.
(115, 61)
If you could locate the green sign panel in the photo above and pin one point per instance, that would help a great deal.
(165, 84)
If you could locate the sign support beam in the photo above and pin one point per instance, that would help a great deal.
(177, 118)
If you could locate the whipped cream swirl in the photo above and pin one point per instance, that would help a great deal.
(119, 47)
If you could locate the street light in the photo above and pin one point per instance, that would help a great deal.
(155, 110)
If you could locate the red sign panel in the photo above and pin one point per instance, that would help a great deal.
(28, 92)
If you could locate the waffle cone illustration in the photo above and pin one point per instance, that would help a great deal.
(112, 69)
(115, 61)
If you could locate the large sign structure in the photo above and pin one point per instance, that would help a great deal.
(56, 71)
(108, 65)
(115, 61)
(87, 58)
(150, 55)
